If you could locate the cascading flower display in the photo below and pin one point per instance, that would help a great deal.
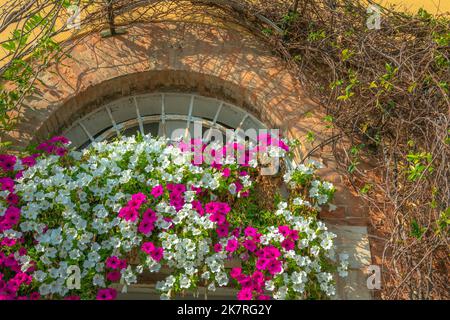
(117, 209)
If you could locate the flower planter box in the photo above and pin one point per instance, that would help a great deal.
(145, 288)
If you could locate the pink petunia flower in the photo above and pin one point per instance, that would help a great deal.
(157, 191)
(146, 227)
(106, 294)
(261, 263)
(232, 245)
(217, 247)
(113, 276)
(8, 242)
(250, 232)
(7, 162)
(12, 199)
(226, 172)
(274, 267)
(148, 247)
(222, 231)
(235, 272)
(157, 254)
(288, 244)
(6, 183)
(128, 214)
(250, 245)
(113, 262)
(245, 294)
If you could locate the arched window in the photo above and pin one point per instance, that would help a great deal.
(159, 114)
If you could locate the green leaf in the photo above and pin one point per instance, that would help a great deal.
(416, 230)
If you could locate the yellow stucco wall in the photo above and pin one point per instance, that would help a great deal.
(432, 6)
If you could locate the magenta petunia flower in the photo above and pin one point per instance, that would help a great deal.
(60, 139)
(197, 206)
(288, 244)
(293, 235)
(12, 215)
(217, 247)
(157, 191)
(284, 230)
(222, 231)
(245, 194)
(250, 232)
(106, 294)
(235, 272)
(226, 172)
(232, 245)
(271, 252)
(113, 262)
(35, 296)
(211, 207)
(245, 294)
(60, 151)
(258, 277)
(7, 162)
(137, 200)
(223, 208)
(28, 161)
(8, 242)
(113, 276)
(6, 183)
(250, 245)
(239, 186)
(128, 214)
(261, 263)
(146, 227)
(12, 199)
(217, 217)
(157, 254)
(148, 247)
(122, 264)
(263, 297)
(274, 267)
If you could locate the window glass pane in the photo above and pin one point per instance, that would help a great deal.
(97, 122)
(123, 110)
(205, 108)
(177, 103)
(230, 117)
(149, 105)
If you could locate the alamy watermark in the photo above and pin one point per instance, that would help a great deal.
(374, 19)
(74, 19)
(374, 280)
(262, 147)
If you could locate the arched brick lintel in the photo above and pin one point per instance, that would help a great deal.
(209, 61)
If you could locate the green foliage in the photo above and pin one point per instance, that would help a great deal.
(267, 31)
(418, 164)
(310, 136)
(417, 231)
(366, 188)
(346, 54)
(329, 121)
(317, 35)
(354, 157)
(20, 72)
(289, 18)
(353, 81)
(443, 223)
